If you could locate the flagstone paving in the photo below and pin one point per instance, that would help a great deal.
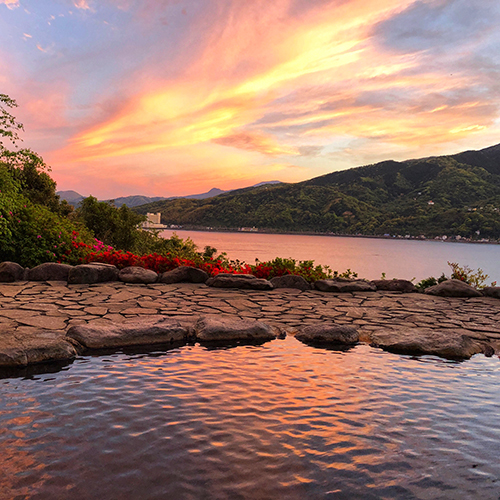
(33, 311)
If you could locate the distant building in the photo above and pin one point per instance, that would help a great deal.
(153, 221)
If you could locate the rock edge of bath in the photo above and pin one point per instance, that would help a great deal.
(97, 272)
(174, 331)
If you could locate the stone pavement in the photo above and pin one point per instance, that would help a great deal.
(35, 312)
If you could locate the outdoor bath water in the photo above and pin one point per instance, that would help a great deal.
(279, 420)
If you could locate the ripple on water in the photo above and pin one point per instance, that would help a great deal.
(280, 420)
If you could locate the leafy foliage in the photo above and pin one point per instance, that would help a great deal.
(9, 126)
(215, 265)
(31, 233)
(474, 278)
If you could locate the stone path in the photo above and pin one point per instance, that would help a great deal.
(35, 312)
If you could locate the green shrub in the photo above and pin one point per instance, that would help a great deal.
(474, 278)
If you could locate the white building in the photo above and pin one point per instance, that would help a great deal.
(153, 221)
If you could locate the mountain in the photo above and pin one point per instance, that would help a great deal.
(209, 194)
(455, 195)
(135, 200)
(266, 182)
(74, 198)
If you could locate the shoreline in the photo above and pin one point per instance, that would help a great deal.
(312, 233)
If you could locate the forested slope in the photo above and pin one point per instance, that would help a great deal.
(452, 195)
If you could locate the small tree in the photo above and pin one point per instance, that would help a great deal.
(33, 228)
(9, 127)
(26, 166)
(117, 227)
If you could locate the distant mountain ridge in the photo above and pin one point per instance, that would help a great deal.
(74, 198)
(456, 195)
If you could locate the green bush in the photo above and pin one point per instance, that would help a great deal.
(31, 234)
(474, 278)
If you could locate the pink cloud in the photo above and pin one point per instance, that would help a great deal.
(253, 141)
(166, 93)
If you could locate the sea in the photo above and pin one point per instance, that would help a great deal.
(369, 257)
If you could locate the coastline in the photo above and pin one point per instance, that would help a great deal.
(312, 233)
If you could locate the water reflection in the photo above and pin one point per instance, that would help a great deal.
(280, 420)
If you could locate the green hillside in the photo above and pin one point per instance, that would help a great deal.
(446, 195)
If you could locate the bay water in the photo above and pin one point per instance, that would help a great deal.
(369, 257)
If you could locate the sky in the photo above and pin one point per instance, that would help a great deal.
(175, 97)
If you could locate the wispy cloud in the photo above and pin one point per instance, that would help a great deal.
(81, 4)
(213, 89)
(11, 4)
(253, 141)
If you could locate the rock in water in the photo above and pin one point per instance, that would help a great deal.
(162, 330)
(216, 329)
(324, 333)
(418, 341)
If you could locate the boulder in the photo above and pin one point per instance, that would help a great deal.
(290, 281)
(418, 341)
(136, 274)
(92, 273)
(12, 353)
(10, 272)
(242, 276)
(328, 334)
(216, 329)
(342, 286)
(41, 347)
(492, 291)
(155, 330)
(403, 286)
(49, 271)
(453, 288)
(184, 274)
(40, 350)
(245, 281)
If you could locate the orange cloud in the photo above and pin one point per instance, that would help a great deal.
(253, 141)
(246, 85)
(225, 98)
(11, 4)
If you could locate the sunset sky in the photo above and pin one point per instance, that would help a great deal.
(174, 97)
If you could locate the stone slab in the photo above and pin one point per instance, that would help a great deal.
(217, 329)
(158, 330)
